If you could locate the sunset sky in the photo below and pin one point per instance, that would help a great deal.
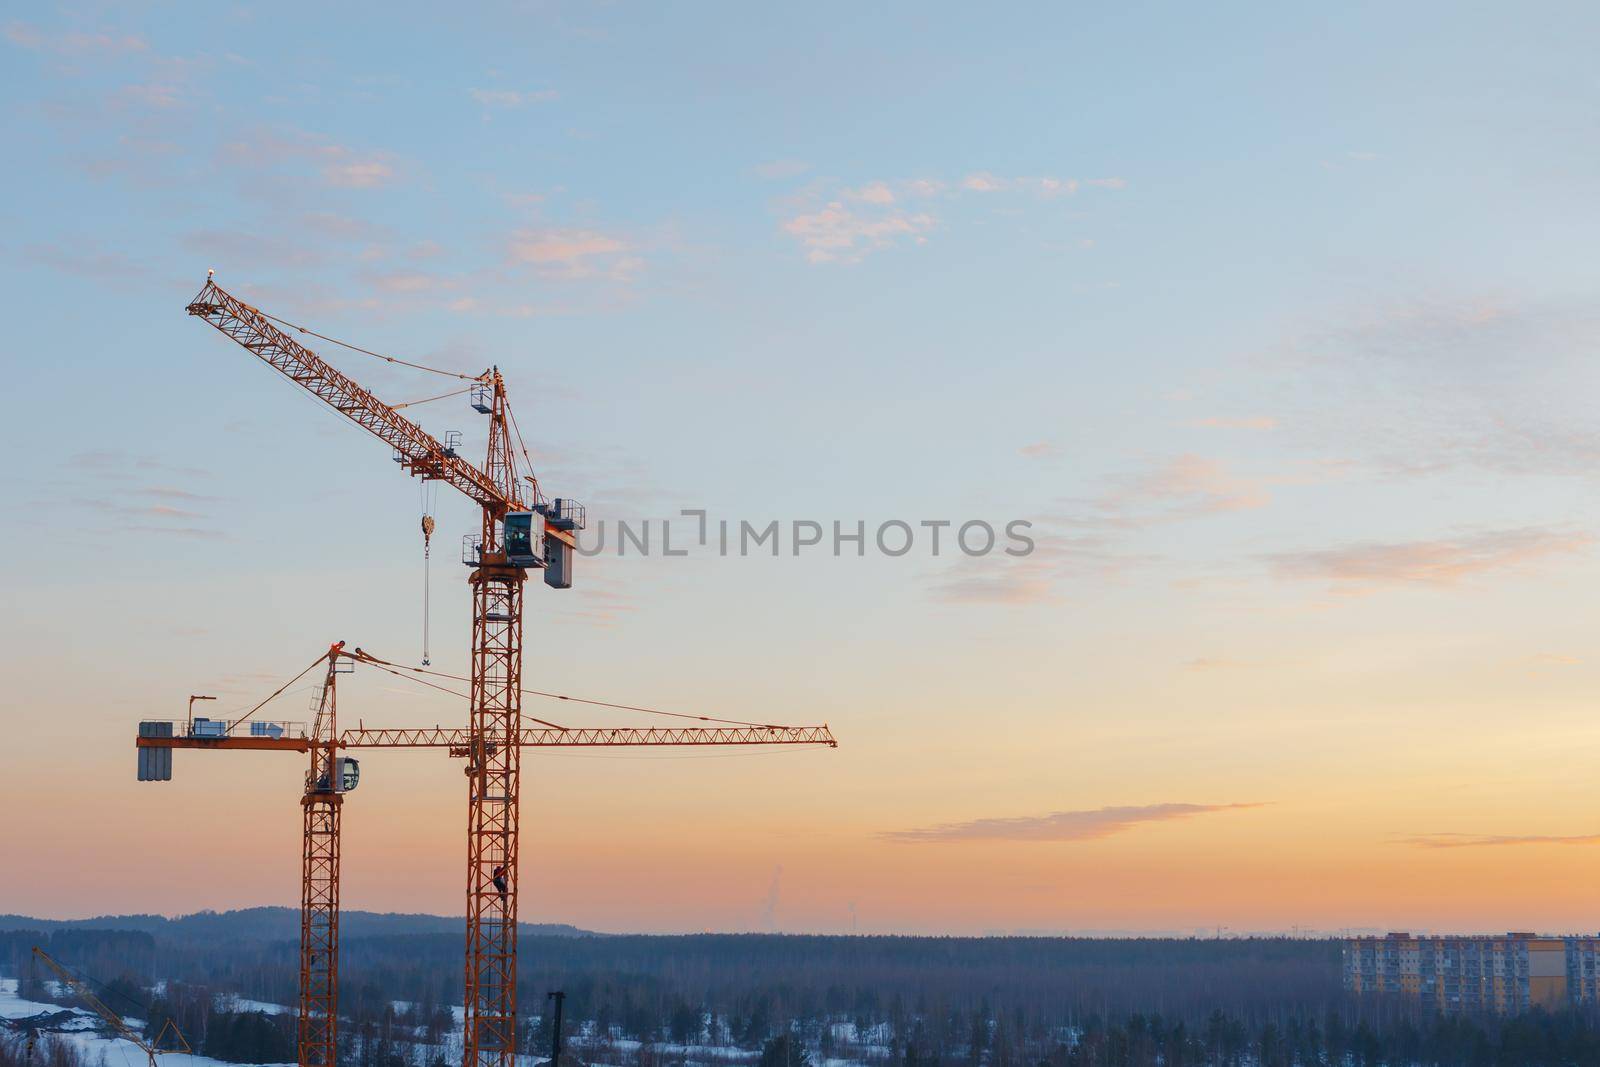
(1278, 323)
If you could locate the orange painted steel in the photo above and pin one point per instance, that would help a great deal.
(494, 772)
(532, 737)
(575, 737)
(319, 884)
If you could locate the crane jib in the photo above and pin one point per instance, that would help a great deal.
(419, 450)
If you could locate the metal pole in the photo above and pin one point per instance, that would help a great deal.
(555, 1032)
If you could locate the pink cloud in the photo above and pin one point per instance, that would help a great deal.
(1050, 186)
(872, 193)
(411, 281)
(73, 43)
(1439, 563)
(836, 233)
(1553, 659)
(1090, 825)
(570, 253)
(1204, 664)
(1246, 422)
(984, 183)
(337, 165)
(154, 95)
(1497, 840)
(511, 98)
(357, 174)
(1195, 484)
(866, 218)
(1034, 578)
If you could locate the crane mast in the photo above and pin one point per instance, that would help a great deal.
(318, 1029)
(494, 773)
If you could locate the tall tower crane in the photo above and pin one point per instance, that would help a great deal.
(332, 775)
(513, 538)
(518, 533)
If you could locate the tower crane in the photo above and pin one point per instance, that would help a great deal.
(331, 775)
(517, 533)
(514, 538)
(112, 1019)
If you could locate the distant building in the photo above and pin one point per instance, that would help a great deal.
(1501, 975)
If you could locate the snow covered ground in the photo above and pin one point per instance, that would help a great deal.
(265, 1007)
(84, 1029)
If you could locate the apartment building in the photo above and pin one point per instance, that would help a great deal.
(1500, 975)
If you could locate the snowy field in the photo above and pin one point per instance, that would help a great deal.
(83, 1029)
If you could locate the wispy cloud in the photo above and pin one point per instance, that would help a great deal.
(101, 43)
(837, 223)
(1207, 664)
(1191, 484)
(836, 233)
(234, 246)
(1497, 840)
(1552, 659)
(1432, 383)
(412, 281)
(984, 182)
(1089, 825)
(357, 173)
(186, 532)
(1185, 486)
(152, 94)
(169, 492)
(86, 260)
(575, 253)
(1239, 422)
(1181, 488)
(774, 169)
(334, 164)
(343, 227)
(512, 98)
(1372, 565)
(872, 193)
(110, 463)
(1035, 578)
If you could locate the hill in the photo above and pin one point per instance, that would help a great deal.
(272, 924)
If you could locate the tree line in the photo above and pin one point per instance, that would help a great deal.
(795, 1001)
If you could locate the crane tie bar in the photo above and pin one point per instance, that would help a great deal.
(369, 352)
(363, 656)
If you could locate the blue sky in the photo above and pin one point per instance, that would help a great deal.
(1276, 322)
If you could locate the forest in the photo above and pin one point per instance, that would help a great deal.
(775, 1000)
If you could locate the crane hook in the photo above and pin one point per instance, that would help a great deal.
(427, 543)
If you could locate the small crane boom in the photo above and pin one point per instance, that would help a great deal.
(112, 1019)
